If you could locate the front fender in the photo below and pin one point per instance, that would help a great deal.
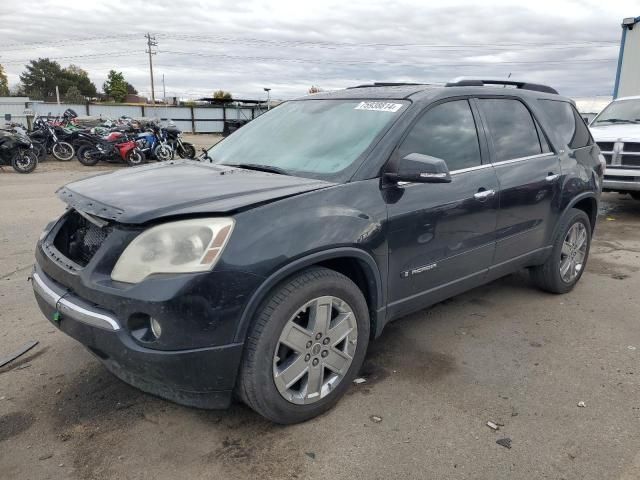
(371, 271)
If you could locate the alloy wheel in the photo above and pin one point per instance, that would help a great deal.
(315, 350)
(573, 253)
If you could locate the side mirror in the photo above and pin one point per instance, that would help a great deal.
(419, 168)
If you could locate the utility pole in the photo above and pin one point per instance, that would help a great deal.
(164, 91)
(268, 90)
(151, 42)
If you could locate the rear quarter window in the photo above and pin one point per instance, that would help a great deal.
(512, 128)
(567, 123)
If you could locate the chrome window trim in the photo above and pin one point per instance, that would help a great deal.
(487, 165)
(523, 159)
(470, 169)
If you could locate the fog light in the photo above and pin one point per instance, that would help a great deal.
(156, 329)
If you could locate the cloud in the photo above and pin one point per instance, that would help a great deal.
(289, 46)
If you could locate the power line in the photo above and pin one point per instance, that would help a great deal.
(283, 42)
(301, 42)
(312, 60)
(380, 62)
(69, 57)
(64, 42)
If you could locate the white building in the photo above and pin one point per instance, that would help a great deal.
(628, 72)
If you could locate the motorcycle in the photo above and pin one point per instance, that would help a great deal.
(16, 150)
(174, 138)
(47, 135)
(153, 144)
(115, 147)
(38, 147)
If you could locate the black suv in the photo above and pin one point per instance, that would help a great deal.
(266, 271)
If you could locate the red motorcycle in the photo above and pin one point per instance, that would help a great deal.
(115, 147)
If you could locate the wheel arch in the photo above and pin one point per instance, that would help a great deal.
(588, 203)
(354, 263)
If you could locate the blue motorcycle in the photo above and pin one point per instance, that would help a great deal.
(153, 144)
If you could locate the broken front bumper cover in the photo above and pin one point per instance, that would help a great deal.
(72, 307)
(202, 377)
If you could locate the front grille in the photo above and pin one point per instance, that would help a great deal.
(618, 178)
(606, 146)
(607, 157)
(630, 160)
(79, 239)
(631, 147)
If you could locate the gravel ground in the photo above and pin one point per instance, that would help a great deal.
(505, 353)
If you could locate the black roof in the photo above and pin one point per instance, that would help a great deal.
(399, 91)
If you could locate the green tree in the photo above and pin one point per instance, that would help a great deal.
(79, 78)
(4, 83)
(131, 90)
(222, 95)
(41, 77)
(115, 86)
(74, 95)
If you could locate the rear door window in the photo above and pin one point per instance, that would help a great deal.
(447, 131)
(568, 123)
(512, 128)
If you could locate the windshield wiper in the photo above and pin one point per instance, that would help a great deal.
(258, 167)
(617, 120)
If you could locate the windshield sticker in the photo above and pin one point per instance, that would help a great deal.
(379, 106)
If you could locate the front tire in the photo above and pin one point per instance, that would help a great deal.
(63, 151)
(568, 258)
(25, 161)
(187, 151)
(163, 153)
(307, 343)
(134, 158)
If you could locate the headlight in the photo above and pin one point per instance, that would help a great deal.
(176, 247)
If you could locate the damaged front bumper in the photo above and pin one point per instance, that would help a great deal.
(201, 377)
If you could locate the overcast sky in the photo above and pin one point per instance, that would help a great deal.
(289, 46)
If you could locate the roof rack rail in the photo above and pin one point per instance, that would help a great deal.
(472, 82)
(386, 84)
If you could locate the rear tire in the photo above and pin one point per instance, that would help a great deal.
(88, 155)
(569, 255)
(63, 151)
(262, 383)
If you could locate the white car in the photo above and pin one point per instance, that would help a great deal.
(616, 130)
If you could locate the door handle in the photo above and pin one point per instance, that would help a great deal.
(484, 194)
(552, 177)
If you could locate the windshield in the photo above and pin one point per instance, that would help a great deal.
(622, 111)
(313, 138)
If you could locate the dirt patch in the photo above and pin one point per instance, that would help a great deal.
(398, 353)
(23, 360)
(618, 271)
(94, 408)
(252, 446)
(14, 423)
(89, 410)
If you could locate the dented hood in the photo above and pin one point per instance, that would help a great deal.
(140, 194)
